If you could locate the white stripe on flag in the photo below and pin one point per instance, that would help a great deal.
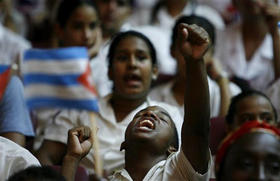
(65, 92)
(55, 67)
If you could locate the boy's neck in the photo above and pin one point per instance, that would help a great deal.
(139, 161)
(123, 106)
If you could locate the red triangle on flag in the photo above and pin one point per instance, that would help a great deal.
(4, 79)
(84, 79)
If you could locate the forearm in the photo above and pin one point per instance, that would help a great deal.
(197, 109)
(276, 53)
(195, 129)
(69, 167)
(225, 94)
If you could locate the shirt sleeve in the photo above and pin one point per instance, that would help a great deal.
(183, 170)
(14, 115)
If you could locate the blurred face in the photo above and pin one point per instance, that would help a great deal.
(132, 68)
(253, 108)
(81, 28)
(113, 13)
(152, 124)
(254, 156)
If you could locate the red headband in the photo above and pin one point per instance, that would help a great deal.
(247, 127)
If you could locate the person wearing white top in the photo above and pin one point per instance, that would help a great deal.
(12, 47)
(220, 88)
(14, 158)
(249, 49)
(150, 138)
(110, 131)
(170, 10)
(132, 66)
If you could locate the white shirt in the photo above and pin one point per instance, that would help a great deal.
(273, 92)
(177, 167)
(14, 158)
(164, 93)
(166, 22)
(230, 51)
(11, 46)
(110, 132)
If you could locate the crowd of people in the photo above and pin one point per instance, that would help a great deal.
(164, 70)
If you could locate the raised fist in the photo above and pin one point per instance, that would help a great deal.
(79, 142)
(193, 41)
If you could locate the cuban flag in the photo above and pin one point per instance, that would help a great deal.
(4, 78)
(59, 78)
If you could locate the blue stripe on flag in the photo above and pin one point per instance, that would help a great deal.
(36, 102)
(3, 68)
(72, 53)
(62, 80)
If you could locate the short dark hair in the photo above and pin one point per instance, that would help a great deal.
(236, 99)
(193, 19)
(37, 173)
(120, 36)
(66, 8)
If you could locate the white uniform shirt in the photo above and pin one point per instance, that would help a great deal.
(14, 158)
(110, 133)
(164, 93)
(230, 51)
(11, 46)
(175, 168)
(166, 22)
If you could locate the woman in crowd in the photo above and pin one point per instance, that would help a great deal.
(250, 48)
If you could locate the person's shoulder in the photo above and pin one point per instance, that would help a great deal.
(13, 38)
(11, 149)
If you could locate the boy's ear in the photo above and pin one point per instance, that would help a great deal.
(123, 146)
(171, 149)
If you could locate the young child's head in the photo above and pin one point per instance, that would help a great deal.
(249, 153)
(250, 106)
(34, 173)
(132, 64)
(154, 128)
(76, 23)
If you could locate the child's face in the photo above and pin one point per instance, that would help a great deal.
(152, 124)
(113, 13)
(253, 108)
(81, 28)
(254, 156)
(132, 68)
